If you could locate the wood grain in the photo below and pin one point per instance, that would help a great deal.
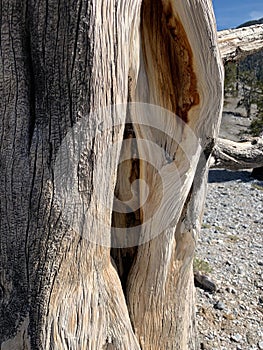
(237, 43)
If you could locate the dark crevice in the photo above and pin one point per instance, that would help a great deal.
(209, 148)
(31, 80)
(76, 39)
(125, 256)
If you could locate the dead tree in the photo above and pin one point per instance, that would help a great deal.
(235, 44)
(61, 63)
(237, 155)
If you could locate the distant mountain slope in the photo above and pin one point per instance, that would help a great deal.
(251, 23)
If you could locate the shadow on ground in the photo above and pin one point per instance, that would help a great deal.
(222, 175)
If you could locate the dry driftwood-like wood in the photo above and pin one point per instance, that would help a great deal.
(237, 43)
(178, 80)
(237, 155)
(61, 62)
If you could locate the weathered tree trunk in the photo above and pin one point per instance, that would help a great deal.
(237, 155)
(62, 63)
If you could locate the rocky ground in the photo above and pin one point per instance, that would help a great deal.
(230, 253)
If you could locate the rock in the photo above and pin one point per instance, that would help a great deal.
(240, 271)
(250, 338)
(236, 337)
(260, 345)
(243, 307)
(229, 317)
(203, 282)
(231, 290)
(219, 305)
(236, 265)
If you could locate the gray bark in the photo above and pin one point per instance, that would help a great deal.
(57, 63)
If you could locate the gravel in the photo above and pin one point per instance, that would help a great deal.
(231, 244)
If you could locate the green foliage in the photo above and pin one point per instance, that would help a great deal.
(219, 228)
(258, 187)
(256, 126)
(230, 78)
(201, 266)
(204, 225)
(253, 64)
(233, 238)
(245, 80)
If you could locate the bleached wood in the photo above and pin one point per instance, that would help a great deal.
(181, 71)
(60, 63)
(237, 155)
(237, 43)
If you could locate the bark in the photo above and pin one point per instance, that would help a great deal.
(61, 63)
(238, 43)
(58, 63)
(237, 155)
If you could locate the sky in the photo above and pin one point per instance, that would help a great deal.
(232, 13)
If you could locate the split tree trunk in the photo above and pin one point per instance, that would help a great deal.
(61, 63)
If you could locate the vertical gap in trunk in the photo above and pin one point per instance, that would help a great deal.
(122, 252)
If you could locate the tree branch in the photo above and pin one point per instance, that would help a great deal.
(237, 155)
(237, 43)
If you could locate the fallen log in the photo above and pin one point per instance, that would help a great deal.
(237, 155)
(235, 44)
